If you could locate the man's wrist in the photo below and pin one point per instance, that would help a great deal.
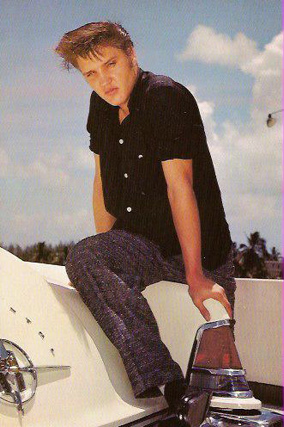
(193, 277)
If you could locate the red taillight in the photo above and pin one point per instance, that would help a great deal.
(217, 350)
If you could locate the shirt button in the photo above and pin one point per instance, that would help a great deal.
(140, 156)
(125, 175)
(142, 192)
(121, 141)
(129, 209)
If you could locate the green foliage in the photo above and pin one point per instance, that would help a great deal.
(41, 252)
(249, 258)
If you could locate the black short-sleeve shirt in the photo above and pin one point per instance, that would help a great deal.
(164, 123)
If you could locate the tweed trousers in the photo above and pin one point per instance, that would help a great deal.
(110, 270)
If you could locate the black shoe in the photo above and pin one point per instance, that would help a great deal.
(190, 411)
(193, 407)
(173, 392)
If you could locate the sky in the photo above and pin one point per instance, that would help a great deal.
(227, 52)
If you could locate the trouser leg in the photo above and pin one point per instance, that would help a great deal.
(109, 271)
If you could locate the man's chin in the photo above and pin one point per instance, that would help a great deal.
(113, 104)
(114, 101)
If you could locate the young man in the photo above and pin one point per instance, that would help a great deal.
(157, 205)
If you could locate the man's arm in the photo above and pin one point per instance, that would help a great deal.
(179, 177)
(103, 220)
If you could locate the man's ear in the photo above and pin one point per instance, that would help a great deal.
(133, 56)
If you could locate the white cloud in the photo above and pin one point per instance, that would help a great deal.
(267, 62)
(266, 68)
(206, 109)
(248, 159)
(206, 45)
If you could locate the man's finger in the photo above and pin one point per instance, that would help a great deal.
(203, 310)
(223, 300)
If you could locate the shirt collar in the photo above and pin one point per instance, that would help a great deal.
(135, 96)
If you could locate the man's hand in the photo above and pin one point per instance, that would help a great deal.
(201, 288)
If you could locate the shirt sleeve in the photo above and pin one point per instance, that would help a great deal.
(93, 124)
(175, 122)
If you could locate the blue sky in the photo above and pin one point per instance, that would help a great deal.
(227, 52)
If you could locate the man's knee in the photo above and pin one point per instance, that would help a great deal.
(86, 252)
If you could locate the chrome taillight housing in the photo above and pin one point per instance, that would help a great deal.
(215, 366)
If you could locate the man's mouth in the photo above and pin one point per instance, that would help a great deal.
(111, 91)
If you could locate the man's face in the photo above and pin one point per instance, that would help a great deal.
(112, 74)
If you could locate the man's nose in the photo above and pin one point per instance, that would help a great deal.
(104, 79)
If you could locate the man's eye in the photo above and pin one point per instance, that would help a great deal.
(111, 63)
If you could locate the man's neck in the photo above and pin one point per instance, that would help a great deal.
(122, 113)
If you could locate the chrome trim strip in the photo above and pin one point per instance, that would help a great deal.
(239, 394)
(38, 368)
(229, 372)
(211, 325)
(263, 418)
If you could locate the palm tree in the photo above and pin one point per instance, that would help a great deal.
(275, 254)
(252, 256)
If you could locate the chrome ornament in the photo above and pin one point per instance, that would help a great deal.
(18, 375)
